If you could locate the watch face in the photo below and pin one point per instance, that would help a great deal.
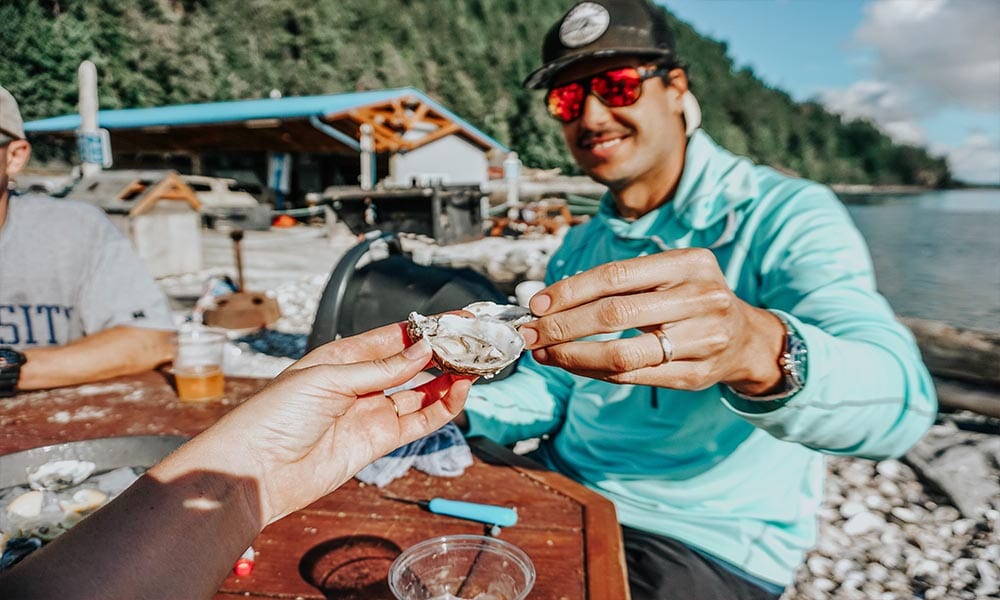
(794, 361)
(10, 358)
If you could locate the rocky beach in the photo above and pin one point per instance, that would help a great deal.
(924, 526)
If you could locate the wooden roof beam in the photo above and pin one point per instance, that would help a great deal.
(386, 139)
(388, 129)
(421, 112)
(399, 116)
(447, 130)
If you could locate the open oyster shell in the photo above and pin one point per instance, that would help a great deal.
(480, 345)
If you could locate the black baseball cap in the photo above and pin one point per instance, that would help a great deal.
(600, 28)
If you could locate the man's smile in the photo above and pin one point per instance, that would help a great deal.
(603, 144)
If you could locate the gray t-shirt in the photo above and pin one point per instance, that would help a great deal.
(66, 272)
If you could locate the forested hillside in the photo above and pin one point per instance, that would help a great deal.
(469, 54)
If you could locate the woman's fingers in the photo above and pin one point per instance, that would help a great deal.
(377, 343)
(429, 407)
(426, 394)
(365, 377)
(370, 345)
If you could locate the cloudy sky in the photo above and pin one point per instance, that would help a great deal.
(926, 71)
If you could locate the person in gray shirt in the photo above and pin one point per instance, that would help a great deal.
(76, 303)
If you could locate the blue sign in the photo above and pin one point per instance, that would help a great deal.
(94, 147)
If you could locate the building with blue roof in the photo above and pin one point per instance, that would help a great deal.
(298, 144)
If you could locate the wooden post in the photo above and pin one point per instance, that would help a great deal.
(237, 236)
(367, 157)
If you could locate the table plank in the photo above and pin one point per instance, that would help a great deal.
(569, 532)
(318, 555)
(143, 404)
(534, 501)
(606, 569)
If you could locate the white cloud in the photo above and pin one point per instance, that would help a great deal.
(942, 52)
(882, 102)
(976, 160)
(927, 55)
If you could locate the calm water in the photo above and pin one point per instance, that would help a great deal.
(937, 254)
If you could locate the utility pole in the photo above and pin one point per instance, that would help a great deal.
(367, 157)
(512, 178)
(87, 74)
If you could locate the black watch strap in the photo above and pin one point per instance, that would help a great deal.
(10, 371)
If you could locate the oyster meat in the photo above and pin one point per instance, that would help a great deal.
(483, 344)
(511, 314)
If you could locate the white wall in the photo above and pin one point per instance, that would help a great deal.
(451, 159)
(168, 239)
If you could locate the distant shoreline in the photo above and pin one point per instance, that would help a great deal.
(867, 188)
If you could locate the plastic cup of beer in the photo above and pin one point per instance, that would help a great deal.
(459, 567)
(198, 365)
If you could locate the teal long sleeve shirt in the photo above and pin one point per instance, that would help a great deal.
(738, 479)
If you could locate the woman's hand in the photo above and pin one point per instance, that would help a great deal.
(326, 417)
(712, 336)
(176, 532)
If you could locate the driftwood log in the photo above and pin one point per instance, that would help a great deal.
(965, 364)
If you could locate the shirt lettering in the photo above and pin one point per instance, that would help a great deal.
(11, 337)
(26, 310)
(49, 309)
(27, 324)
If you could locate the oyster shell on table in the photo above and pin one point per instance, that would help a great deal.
(83, 501)
(59, 474)
(483, 344)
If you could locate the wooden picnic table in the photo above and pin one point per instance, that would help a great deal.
(342, 545)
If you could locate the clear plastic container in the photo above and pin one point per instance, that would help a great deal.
(462, 567)
(198, 365)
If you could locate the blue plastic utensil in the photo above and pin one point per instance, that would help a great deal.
(473, 511)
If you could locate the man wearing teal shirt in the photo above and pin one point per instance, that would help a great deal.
(706, 337)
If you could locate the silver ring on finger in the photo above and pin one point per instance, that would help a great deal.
(665, 344)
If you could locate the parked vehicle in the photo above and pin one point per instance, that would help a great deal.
(226, 201)
(223, 200)
(52, 185)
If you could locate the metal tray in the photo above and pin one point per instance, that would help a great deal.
(106, 453)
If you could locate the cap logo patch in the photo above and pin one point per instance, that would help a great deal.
(585, 23)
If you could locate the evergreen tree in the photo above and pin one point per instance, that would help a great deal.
(471, 55)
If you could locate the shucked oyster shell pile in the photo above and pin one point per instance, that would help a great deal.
(483, 344)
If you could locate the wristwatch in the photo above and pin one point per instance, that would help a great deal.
(793, 363)
(793, 360)
(10, 371)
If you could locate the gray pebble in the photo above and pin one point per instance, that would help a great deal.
(863, 523)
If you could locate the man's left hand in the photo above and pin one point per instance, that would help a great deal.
(714, 336)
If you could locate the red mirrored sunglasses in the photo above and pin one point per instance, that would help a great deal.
(614, 88)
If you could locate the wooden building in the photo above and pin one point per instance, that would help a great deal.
(297, 145)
